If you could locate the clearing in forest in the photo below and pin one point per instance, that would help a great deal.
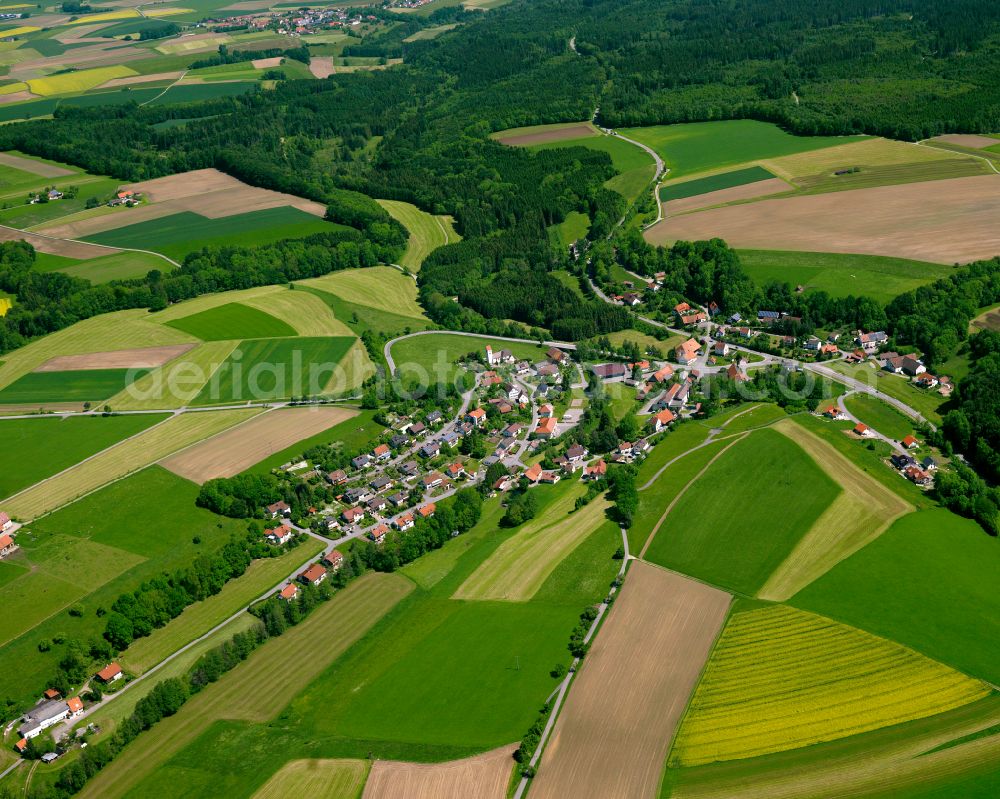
(427, 231)
(780, 679)
(484, 776)
(541, 134)
(612, 735)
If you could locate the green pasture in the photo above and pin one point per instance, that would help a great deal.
(83, 385)
(362, 317)
(179, 234)
(46, 446)
(119, 266)
(926, 582)
(427, 231)
(232, 321)
(839, 275)
(739, 541)
(572, 228)
(924, 401)
(879, 415)
(701, 146)
(435, 354)
(634, 166)
(195, 92)
(268, 369)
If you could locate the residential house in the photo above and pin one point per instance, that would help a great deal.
(399, 499)
(399, 440)
(452, 437)
(735, 319)
(863, 430)
(713, 308)
(693, 318)
(404, 522)
(376, 504)
(289, 592)
(870, 342)
(912, 366)
(533, 473)
(510, 391)
(431, 449)
(331, 523)
(503, 446)
(110, 673)
(279, 536)
(928, 464)
(833, 412)
(856, 356)
(555, 355)
(417, 428)
(41, 717)
(660, 420)
(736, 373)
(683, 389)
(433, 417)
(504, 483)
(352, 515)
(315, 574)
(382, 452)
(910, 442)
(426, 511)
(812, 344)
(901, 460)
(358, 494)
(681, 308)
(7, 545)
(512, 430)
(663, 375)
(75, 705)
(337, 477)
(829, 349)
(918, 476)
(378, 534)
(456, 471)
(547, 370)
(720, 348)
(768, 317)
(596, 471)
(670, 396)
(490, 378)
(893, 364)
(432, 480)
(687, 352)
(522, 367)
(546, 428)
(549, 477)
(576, 453)
(925, 380)
(745, 332)
(477, 416)
(279, 508)
(545, 411)
(381, 483)
(5, 522)
(630, 298)
(361, 461)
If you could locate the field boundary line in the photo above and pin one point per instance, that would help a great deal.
(683, 491)
(167, 89)
(993, 166)
(92, 244)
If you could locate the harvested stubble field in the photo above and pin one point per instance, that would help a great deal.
(484, 776)
(41, 168)
(235, 450)
(142, 358)
(321, 779)
(427, 231)
(80, 250)
(519, 567)
(968, 140)
(272, 675)
(129, 456)
(644, 664)
(781, 679)
(380, 287)
(942, 221)
(862, 511)
(542, 134)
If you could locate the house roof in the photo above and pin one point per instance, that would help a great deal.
(289, 591)
(546, 425)
(313, 573)
(477, 413)
(427, 510)
(910, 441)
(334, 557)
(664, 417)
(860, 428)
(5, 540)
(109, 671)
(533, 472)
(381, 449)
(598, 468)
(74, 704)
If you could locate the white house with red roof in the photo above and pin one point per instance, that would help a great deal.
(378, 534)
(289, 592)
(315, 574)
(110, 673)
(7, 545)
(5, 522)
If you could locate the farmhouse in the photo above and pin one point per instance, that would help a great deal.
(279, 509)
(687, 352)
(736, 374)
(863, 430)
(555, 355)
(870, 342)
(75, 706)
(910, 442)
(315, 574)
(5, 522)
(533, 473)
(547, 370)
(110, 673)
(378, 534)
(768, 317)
(681, 308)
(289, 592)
(490, 378)
(912, 366)
(42, 716)
(664, 374)
(917, 475)
(693, 318)
(833, 412)
(829, 349)
(7, 545)
(610, 371)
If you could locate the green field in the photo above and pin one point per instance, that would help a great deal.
(701, 146)
(93, 385)
(879, 415)
(875, 276)
(120, 266)
(435, 354)
(781, 679)
(723, 180)
(193, 92)
(266, 369)
(381, 288)
(572, 228)
(179, 234)
(634, 166)
(47, 446)
(232, 321)
(932, 560)
(738, 542)
(354, 435)
(101, 546)
(427, 232)
(925, 402)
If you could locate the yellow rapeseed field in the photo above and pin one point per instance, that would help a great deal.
(18, 31)
(781, 679)
(79, 81)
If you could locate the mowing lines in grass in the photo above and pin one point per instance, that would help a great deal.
(81, 385)
(781, 679)
(269, 369)
(319, 779)
(519, 567)
(380, 287)
(879, 415)
(271, 676)
(232, 321)
(157, 442)
(858, 515)
(427, 232)
(485, 775)
(738, 543)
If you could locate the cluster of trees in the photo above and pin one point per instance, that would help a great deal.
(623, 492)
(577, 647)
(157, 601)
(964, 492)
(225, 56)
(159, 31)
(522, 505)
